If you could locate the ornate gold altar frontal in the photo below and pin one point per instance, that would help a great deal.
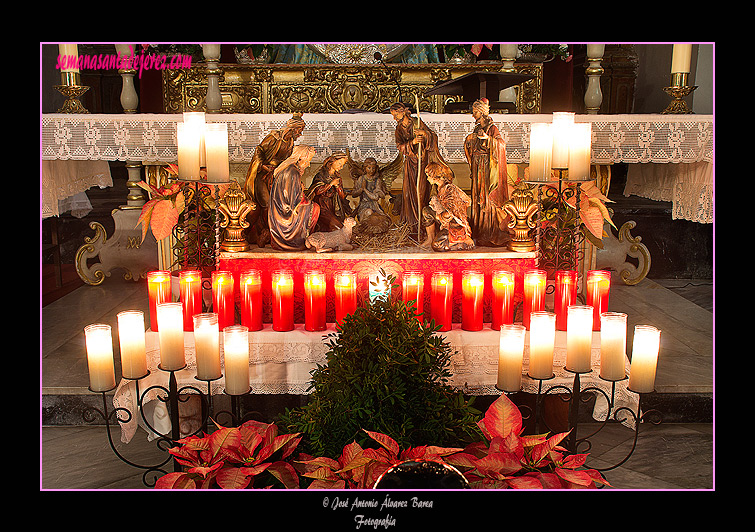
(332, 88)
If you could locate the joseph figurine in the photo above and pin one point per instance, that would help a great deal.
(275, 148)
(485, 150)
(411, 133)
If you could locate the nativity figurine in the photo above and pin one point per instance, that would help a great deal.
(327, 191)
(445, 218)
(418, 144)
(291, 216)
(276, 147)
(485, 151)
(336, 240)
(372, 184)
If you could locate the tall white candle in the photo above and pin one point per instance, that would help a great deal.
(133, 344)
(99, 344)
(69, 53)
(216, 151)
(680, 58)
(578, 338)
(171, 336)
(646, 343)
(197, 120)
(580, 151)
(187, 136)
(562, 130)
(542, 342)
(541, 151)
(207, 346)
(236, 358)
(510, 354)
(613, 345)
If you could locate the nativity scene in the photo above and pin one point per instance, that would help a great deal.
(380, 266)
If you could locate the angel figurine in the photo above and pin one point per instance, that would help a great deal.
(447, 209)
(372, 184)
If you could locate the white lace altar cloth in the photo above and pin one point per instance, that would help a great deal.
(281, 363)
(688, 186)
(63, 182)
(623, 138)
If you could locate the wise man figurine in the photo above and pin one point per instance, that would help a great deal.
(485, 150)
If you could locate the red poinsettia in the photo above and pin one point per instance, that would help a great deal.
(511, 460)
(232, 457)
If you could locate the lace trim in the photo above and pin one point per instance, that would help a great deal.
(152, 137)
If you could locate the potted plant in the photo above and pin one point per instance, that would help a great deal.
(386, 372)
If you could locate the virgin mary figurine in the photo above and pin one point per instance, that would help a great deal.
(291, 215)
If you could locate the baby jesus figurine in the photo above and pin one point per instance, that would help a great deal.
(448, 208)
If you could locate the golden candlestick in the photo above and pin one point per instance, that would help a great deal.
(72, 89)
(678, 91)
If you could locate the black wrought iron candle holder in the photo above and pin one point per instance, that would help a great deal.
(171, 396)
(577, 395)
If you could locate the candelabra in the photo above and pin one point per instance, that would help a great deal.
(563, 244)
(641, 378)
(577, 395)
(172, 396)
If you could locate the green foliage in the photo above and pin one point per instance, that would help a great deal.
(386, 372)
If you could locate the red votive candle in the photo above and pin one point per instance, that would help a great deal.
(598, 286)
(441, 299)
(250, 288)
(222, 298)
(472, 286)
(534, 294)
(314, 301)
(345, 286)
(158, 288)
(283, 300)
(190, 285)
(565, 295)
(412, 293)
(503, 299)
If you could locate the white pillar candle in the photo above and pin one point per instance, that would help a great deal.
(680, 58)
(646, 343)
(580, 151)
(171, 336)
(133, 344)
(613, 345)
(69, 53)
(510, 354)
(197, 120)
(541, 151)
(187, 136)
(578, 338)
(562, 131)
(207, 346)
(542, 342)
(216, 151)
(236, 358)
(99, 344)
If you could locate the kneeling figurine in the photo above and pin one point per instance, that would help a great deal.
(448, 208)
